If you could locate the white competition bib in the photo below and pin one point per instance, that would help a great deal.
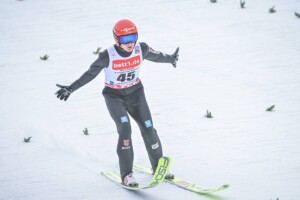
(123, 72)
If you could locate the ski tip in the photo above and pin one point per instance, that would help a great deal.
(167, 157)
(166, 160)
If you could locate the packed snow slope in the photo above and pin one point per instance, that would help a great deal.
(233, 62)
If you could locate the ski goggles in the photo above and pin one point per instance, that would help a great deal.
(126, 39)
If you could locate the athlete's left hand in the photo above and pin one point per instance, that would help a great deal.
(175, 55)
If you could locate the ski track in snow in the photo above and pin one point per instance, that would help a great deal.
(233, 62)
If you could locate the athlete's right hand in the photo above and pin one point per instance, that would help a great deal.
(64, 92)
(175, 55)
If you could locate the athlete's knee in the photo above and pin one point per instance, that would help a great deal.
(124, 130)
(147, 128)
(123, 126)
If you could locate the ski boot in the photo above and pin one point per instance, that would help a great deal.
(129, 181)
(169, 176)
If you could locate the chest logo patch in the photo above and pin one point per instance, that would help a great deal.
(126, 63)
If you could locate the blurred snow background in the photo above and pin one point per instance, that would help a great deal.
(233, 62)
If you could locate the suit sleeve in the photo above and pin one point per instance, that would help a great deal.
(95, 69)
(155, 56)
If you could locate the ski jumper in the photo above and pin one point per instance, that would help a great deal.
(124, 95)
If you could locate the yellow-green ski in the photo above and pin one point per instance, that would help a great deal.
(160, 173)
(182, 183)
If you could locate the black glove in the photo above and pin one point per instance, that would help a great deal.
(175, 55)
(64, 92)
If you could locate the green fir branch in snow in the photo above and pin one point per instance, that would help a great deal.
(269, 109)
(272, 10)
(297, 14)
(97, 50)
(85, 131)
(242, 3)
(27, 140)
(213, 1)
(208, 114)
(45, 57)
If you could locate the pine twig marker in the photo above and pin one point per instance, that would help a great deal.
(97, 50)
(208, 114)
(269, 109)
(213, 1)
(272, 10)
(27, 140)
(242, 3)
(297, 14)
(45, 57)
(85, 131)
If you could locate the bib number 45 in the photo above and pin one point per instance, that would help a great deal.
(126, 77)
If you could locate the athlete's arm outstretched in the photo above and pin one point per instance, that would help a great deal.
(102, 62)
(157, 56)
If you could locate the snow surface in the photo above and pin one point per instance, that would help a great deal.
(233, 62)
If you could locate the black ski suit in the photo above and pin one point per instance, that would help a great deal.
(132, 101)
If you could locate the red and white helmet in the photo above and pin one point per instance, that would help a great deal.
(123, 27)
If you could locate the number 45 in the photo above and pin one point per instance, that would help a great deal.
(129, 76)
